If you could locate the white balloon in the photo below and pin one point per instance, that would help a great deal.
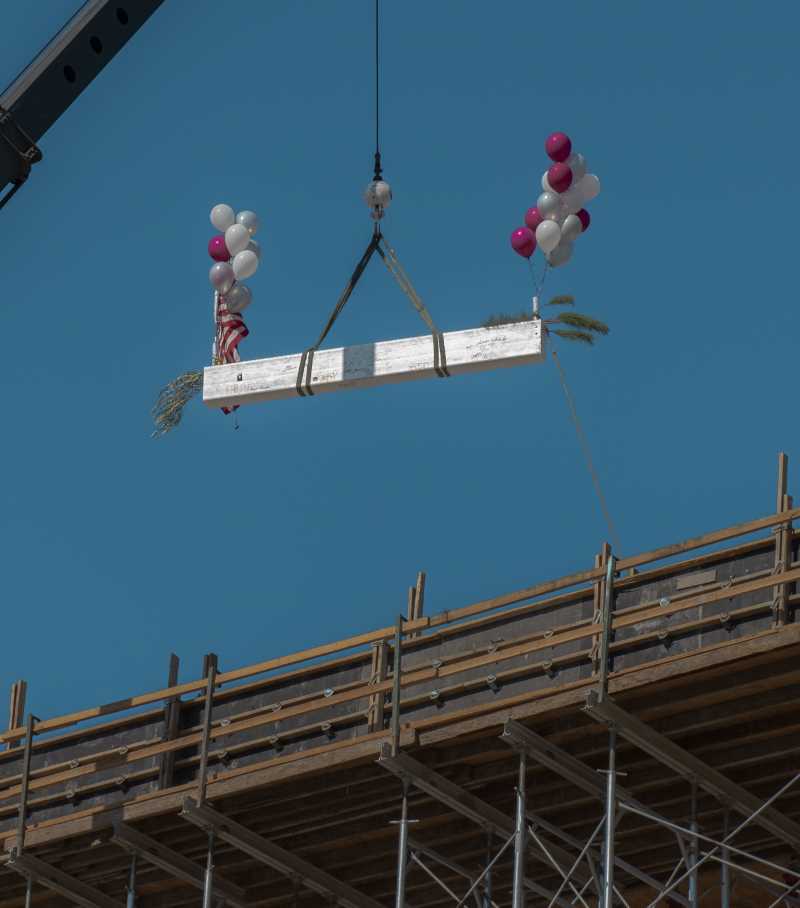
(221, 276)
(571, 228)
(572, 200)
(577, 164)
(249, 219)
(560, 255)
(255, 246)
(589, 187)
(236, 238)
(546, 187)
(238, 298)
(549, 205)
(245, 264)
(548, 235)
(222, 217)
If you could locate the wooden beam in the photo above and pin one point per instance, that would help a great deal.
(688, 766)
(174, 863)
(370, 365)
(463, 802)
(62, 883)
(172, 717)
(266, 852)
(16, 708)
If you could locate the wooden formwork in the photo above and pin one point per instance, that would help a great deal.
(702, 647)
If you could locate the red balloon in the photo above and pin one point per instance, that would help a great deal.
(523, 242)
(583, 214)
(217, 248)
(559, 176)
(558, 147)
(533, 219)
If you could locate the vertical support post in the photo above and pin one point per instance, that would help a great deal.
(611, 822)
(130, 900)
(402, 853)
(487, 880)
(16, 708)
(26, 773)
(416, 600)
(377, 702)
(208, 882)
(211, 677)
(29, 893)
(607, 622)
(397, 668)
(725, 870)
(172, 714)
(782, 542)
(520, 843)
(694, 891)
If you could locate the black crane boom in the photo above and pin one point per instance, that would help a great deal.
(63, 69)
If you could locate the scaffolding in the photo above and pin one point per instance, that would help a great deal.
(622, 736)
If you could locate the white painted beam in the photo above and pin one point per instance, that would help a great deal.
(369, 365)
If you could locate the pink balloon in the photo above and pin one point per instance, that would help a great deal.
(558, 147)
(583, 214)
(559, 176)
(523, 242)
(533, 219)
(217, 249)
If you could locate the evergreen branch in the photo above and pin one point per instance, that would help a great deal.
(504, 318)
(584, 322)
(561, 301)
(582, 336)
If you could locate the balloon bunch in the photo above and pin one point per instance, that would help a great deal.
(236, 255)
(558, 217)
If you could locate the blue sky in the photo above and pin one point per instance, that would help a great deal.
(309, 522)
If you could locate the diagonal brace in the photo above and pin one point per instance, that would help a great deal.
(685, 764)
(267, 852)
(62, 883)
(174, 863)
(552, 757)
(461, 801)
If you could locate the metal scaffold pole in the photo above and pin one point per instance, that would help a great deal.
(518, 897)
(725, 870)
(611, 797)
(694, 894)
(402, 855)
(208, 886)
(130, 901)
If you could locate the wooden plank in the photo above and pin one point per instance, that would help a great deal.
(16, 708)
(736, 589)
(304, 764)
(524, 706)
(698, 542)
(371, 365)
(199, 685)
(377, 701)
(172, 716)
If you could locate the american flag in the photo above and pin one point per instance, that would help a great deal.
(231, 329)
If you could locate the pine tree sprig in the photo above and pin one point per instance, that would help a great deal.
(582, 336)
(561, 301)
(583, 322)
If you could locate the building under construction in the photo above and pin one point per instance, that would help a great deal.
(626, 735)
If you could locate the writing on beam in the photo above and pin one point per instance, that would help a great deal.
(369, 365)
